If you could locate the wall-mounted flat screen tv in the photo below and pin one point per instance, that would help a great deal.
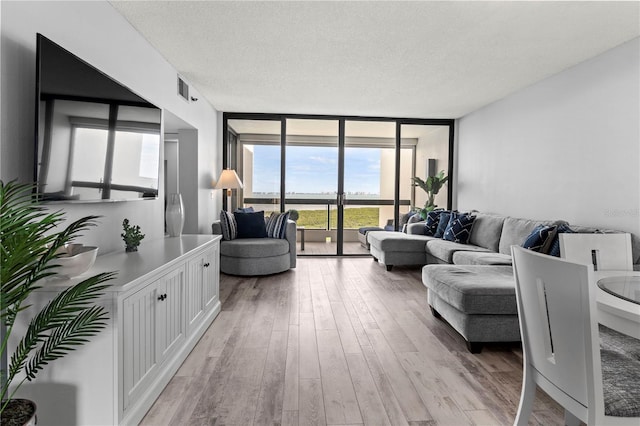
(96, 140)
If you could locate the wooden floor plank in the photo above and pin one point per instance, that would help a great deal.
(340, 403)
(412, 406)
(371, 405)
(308, 358)
(311, 411)
(270, 400)
(291, 375)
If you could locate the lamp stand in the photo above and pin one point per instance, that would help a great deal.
(229, 200)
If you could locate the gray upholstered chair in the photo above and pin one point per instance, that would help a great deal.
(257, 256)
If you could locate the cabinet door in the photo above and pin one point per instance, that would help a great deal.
(195, 297)
(211, 276)
(170, 313)
(139, 342)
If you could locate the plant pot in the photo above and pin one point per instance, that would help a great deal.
(130, 249)
(19, 412)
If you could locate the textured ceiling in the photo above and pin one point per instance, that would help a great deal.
(392, 59)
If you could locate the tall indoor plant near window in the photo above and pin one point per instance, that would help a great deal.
(431, 186)
(28, 245)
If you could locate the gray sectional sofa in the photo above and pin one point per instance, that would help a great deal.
(471, 286)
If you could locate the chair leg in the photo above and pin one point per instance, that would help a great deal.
(527, 398)
(389, 267)
(374, 258)
(474, 347)
(434, 312)
(570, 419)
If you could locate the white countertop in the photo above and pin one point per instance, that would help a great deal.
(136, 266)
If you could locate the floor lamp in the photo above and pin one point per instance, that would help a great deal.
(228, 180)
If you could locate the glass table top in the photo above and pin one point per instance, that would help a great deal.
(624, 287)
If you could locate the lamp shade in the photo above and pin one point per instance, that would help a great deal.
(228, 180)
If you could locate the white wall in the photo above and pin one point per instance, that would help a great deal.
(95, 32)
(566, 148)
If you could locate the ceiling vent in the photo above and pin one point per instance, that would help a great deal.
(183, 89)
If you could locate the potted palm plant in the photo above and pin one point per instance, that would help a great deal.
(431, 186)
(29, 244)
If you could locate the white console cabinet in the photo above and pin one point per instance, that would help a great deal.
(164, 298)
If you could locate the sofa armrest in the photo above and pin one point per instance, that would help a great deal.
(216, 228)
(291, 235)
(416, 228)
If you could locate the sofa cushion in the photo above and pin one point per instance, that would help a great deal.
(515, 231)
(459, 228)
(228, 226)
(244, 210)
(444, 250)
(480, 258)
(277, 225)
(554, 249)
(254, 247)
(397, 241)
(431, 222)
(473, 289)
(251, 225)
(443, 221)
(486, 231)
(540, 238)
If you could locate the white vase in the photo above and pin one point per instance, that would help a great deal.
(175, 215)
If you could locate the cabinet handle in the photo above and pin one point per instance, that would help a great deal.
(206, 265)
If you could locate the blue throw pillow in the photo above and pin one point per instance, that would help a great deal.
(244, 210)
(563, 228)
(228, 225)
(431, 223)
(443, 221)
(277, 225)
(459, 228)
(540, 238)
(251, 225)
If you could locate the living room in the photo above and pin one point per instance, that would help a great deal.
(564, 146)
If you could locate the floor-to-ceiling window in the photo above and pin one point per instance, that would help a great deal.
(338, 174)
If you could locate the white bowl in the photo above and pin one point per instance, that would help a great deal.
(75, 259)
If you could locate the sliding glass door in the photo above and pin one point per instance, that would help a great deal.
(311, 182)
(338, 175)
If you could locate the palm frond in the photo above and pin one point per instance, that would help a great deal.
(64, 309)
(66, 338)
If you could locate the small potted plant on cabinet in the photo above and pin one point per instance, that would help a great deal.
(66, 322)
(131, 236)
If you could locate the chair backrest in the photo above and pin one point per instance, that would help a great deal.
(603, 251)
(559, 333)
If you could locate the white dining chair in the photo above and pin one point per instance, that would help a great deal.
(560, 339)
(604, 251)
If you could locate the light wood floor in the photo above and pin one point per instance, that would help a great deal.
(340, 341)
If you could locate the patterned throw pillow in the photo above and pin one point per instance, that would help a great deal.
(251, 225)
(277, 225)
(563, 228)
(431, 224)
(459, 228)
(443, 221)
(540, 238)
(229, 226)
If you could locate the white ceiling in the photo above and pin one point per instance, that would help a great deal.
(391, 59)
